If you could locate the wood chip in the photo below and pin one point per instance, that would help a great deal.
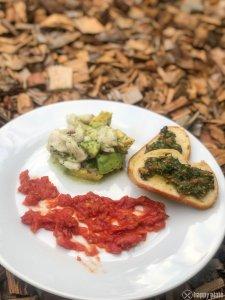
(20, 11)
(172, 76)
(217, 264)
(192, 6)
(89, 25)
(36, 79)
(60, 77)
(57, 21)
(15, 286)
(24, 103)
(175, 104)
(14, 62)
(218, 56)
(211, 286)
(37, 96)
(185, 20)
(99, 81)
(3, 29)
(56, 40)
(12, 45)
(22, 77)
(2, 274)
(221, 158)
(140, 45)
(131, 95)
(217, 133)
(136, 13)
(124, 23)
(180, 114)
(198, 86)
(202, 108)
(221, 96)
(80, 70)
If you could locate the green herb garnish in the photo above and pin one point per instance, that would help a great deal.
(166, 140)
(187, 180)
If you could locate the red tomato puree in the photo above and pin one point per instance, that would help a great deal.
(114, 225)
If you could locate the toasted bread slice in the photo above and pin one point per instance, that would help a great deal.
(181, 138)
(158, 184)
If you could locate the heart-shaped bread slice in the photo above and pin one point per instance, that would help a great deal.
(164, 186)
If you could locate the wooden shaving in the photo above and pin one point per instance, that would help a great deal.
(57, 21)
(80, 70)
(89, 25)
(131, 95)
(24, 103)
(36, 79)
(218, 56)
(60, 77)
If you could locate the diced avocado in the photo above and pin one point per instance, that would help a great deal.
(91, 147)
(102, 119)
(110, 162)
(86, 174)
(124, 141)
(90, 133)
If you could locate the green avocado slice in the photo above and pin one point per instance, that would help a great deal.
(109, 162)
(91, 147)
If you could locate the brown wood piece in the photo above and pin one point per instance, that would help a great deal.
(211, 286)
(16, 286)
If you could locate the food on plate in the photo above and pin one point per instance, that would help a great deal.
(89, 147)
(165, 171)
(169, 137)
(36, 189)
(112, 225)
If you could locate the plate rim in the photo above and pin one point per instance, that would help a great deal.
(200, 265)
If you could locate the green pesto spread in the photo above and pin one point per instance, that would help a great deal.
(166, 140)
(187, 180)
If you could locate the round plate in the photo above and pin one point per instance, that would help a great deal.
(165, 260)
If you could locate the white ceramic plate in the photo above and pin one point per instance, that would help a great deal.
(163, 261)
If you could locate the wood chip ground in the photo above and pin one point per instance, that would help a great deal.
(166, 56)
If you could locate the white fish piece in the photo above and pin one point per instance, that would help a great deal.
(107, 149)
(75, 150)
(73, 120)
(77, 133)
(57, 141)
(86, 119)
(107, 137)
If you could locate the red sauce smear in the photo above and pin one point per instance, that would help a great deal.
(114, 225)
(36, 189)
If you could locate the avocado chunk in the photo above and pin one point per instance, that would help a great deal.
(102, 119)
(109, 162)
(91, 148)
(124, 141)
(85, 174)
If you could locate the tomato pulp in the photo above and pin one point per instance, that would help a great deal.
(113, 225)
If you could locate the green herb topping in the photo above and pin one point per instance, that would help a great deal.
(166, 140)
(187, 180)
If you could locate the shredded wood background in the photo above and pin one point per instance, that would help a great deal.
(167, 56)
